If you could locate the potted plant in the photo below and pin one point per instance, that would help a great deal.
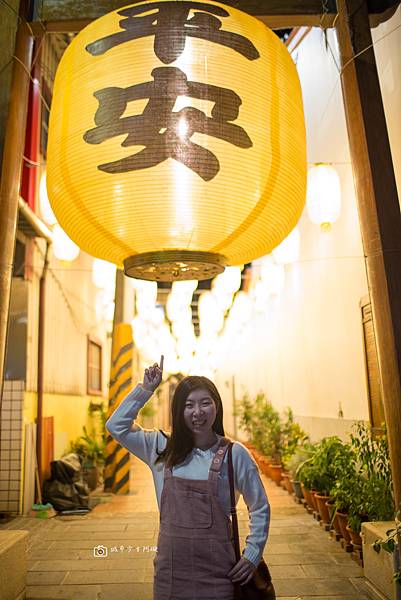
(91, 447)
(255, 417)
(305, 475)
(319, 474)
(374, 477)
(292, 438)
(329, 460)
(301, 455)
(363, 490)
(271, 443)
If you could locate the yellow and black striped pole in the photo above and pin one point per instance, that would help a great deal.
(117, 463)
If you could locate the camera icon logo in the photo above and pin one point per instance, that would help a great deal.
(100, 551)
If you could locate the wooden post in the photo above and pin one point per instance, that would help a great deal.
(119, 299)
(378, 205)
(11, 175)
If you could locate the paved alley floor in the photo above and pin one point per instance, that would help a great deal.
(62, 563)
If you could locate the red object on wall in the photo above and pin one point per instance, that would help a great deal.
(32, 139)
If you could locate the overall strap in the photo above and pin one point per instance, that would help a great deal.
(233, 509)
(217, 462)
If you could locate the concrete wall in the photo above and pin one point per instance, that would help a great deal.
(70, 318)
(306, 351)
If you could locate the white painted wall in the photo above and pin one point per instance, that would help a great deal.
(307, 350)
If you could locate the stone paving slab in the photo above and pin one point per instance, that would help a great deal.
(299, 559)
(77, 592)
(87, 565)
(85, 577)
(44, 578)
(319, 571)
(285, 572)
(127, 592)
(315, 587)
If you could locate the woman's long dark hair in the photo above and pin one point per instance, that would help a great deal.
(181, 441)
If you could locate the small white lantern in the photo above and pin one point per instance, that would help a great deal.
(211, 317)
(241, 310)
(184, 288)
(229, 280)
(140, 331)
(323, 199)
(63, 247)
(104, 274)
(146, 295)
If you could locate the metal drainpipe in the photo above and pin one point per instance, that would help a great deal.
(41, 340)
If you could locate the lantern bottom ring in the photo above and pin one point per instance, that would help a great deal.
(174, 265)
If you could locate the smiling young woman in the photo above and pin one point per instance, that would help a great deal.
(195, 558)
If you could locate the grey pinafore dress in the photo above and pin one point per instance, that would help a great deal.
(195, 551)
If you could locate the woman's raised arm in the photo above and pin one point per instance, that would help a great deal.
(121, 426)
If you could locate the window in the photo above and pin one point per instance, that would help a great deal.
(94, 367)
(376, 411)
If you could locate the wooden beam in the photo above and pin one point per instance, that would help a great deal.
(14, 143)
(73, 15)
(378, 205)
(56, 10)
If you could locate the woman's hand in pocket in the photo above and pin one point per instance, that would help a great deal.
(242, 571)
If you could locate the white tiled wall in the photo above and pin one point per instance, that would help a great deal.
(10, 446)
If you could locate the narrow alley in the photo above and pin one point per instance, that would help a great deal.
(305, 562)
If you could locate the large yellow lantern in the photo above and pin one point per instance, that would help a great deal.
(177, 140)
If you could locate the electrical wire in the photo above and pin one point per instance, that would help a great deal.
(341, 71)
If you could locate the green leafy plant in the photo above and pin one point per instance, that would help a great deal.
(321, 471)
(363, 487)
(246, 412)
(91, 446)
(276, 437)
(301, 454)
(271, 440)
(94, 450)
(256, 418)
(89, 449)
(292, 437)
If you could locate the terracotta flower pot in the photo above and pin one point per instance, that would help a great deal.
(290, 485)
(287, 483)
(314, 503)
(297, 489)
(275, 473)
(335, 524)
(356, 539)
(264, 466)
(343, 523)
(321, 501)
(91, 476)
(307, 496)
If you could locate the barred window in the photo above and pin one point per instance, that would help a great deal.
(94, 367)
